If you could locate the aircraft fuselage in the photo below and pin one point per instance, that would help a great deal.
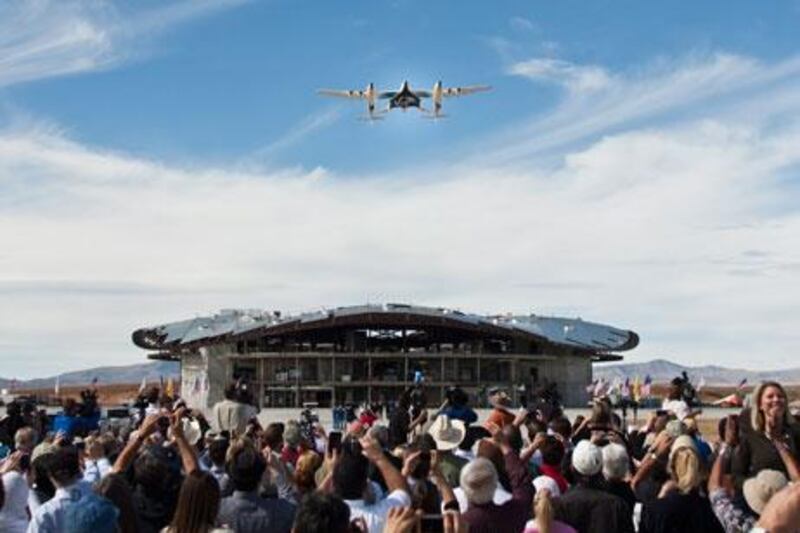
(404, 98)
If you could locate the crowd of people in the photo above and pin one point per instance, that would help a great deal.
(421, 469)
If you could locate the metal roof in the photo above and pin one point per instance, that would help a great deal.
(233, 325)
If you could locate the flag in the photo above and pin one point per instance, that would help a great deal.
(648, 381)
(206, 384)
(742, 384)
(57, 388)
(143, 386)
(170, 390)
(590, 387)
(600, 388)
(637, 388)
(626, 388)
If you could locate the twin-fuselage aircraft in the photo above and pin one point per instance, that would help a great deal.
(405, 97)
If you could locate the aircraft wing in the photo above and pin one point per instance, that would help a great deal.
(343, 94)
(423, 94)
(462, 91)
(387, 94)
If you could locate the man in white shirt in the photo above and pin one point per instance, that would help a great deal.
(232, 414)
(64, 470)
(349, 480)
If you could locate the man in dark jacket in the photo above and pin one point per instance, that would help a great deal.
(245, 511)
(587, 507)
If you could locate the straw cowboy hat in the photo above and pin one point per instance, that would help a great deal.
(447, 433)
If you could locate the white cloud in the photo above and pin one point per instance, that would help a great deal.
(683, 230)
(46, 38)
(662, 93)
(307, 126)
(574, 77)
(521, 24)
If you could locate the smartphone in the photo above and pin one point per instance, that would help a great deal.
(662, 412)
(335, 440)
(432, 522)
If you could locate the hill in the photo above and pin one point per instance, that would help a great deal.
(106, 375)
(662, 371)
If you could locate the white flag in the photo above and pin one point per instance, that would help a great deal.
(143, 386)
(57, 388)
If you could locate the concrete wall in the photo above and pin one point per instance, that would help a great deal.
(204, 376)
(571, 374)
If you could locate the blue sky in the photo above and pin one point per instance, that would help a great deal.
(635, 164)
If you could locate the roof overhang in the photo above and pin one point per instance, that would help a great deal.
(596, 340)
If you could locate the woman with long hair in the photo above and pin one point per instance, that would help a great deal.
(307, 465)
(680, 506)
(198, 505)
(544, 520)
(768, 438)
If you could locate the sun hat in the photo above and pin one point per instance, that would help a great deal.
(587, 458)
(759, 489)
(547, 483)
(447, 433)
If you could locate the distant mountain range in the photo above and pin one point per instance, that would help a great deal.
(106, 375)
(662, 371)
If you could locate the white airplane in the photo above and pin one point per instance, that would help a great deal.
(405, 97)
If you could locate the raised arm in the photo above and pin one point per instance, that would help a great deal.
(740, 463)
(788, 460)
(391, 475)
(528, 451)
(186, 450)
(660, 449)
(518, 474)
(448, 496)
(128, 453)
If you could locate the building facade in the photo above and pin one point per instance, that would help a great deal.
(372, 353)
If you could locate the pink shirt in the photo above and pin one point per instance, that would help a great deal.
(557, 527)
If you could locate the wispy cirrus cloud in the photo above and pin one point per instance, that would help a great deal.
(660, 93)
(574, 77)
(298, 133)
(46, 38)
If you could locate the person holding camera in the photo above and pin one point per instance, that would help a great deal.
(13, 511)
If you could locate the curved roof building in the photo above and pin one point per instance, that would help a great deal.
(369, 352)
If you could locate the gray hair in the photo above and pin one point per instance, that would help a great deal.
(25, 436)
(479, 481)
(615, 461)
(380, 433)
